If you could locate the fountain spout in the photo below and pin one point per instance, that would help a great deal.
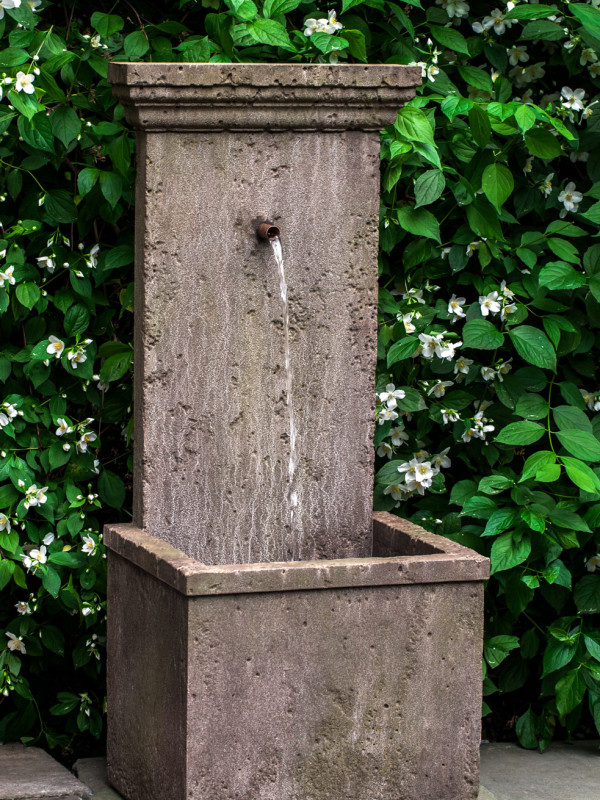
(267, 231)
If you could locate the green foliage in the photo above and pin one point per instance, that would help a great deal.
(489, 314)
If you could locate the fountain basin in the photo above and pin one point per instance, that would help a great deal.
(349, 679)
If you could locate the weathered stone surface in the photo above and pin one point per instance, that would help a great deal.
(29, 773)
(249, 97)
(92, 772)
(213, 440)
(327, 693)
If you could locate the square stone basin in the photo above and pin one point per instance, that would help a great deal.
(350, 679)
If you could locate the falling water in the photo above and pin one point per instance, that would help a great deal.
(292, 496)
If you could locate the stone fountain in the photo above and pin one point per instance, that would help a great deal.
(269, 638)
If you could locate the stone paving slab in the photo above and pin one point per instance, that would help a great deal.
(566, 771)
(28, 773)
(92, 772)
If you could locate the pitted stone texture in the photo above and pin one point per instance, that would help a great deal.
(248, 97)
(212, 443)
(29, 773)
(327, 694)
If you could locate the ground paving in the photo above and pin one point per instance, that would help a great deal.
(566, 771)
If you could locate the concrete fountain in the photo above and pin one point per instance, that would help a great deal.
(269, 637)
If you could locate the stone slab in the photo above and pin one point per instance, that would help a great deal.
(353, 692)
(92, 772)
(566, 771)
(29, 773)
(254, 438)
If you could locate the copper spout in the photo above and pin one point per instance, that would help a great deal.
(267, 231)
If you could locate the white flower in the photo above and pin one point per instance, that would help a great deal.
(589, 399)
(332, 22)
(503, 368)
(398, 436)
(488, 374)
(7, 276)
(497, 21)
(588, 55)
(15, 643)
(34, 558)
(528, 165)
(8, 4)
(450, 415)
(489, 304)
(569, 197)
(504, 290)
(385, 415)
(534, 72)
(454, 8)
(91, 260)
(441, 461)
(428, 345)
(24, 82)
(518, 53)
(473, 247)
(77, 356)
(48, 539)
(409, 327)
(4, 523)
(391, 395)
(461, 365)
(418, 474)
(87, 438)
(89, 545)
(385, 449)
(546, 186)
(63, 427)
(573, 99)
(316, 26)
(593, 563)
(396, 490)
(439, 388)
(413, 296)
(455, 305)
(430, 72)
(594, 69)
(23, 607)
(56, 346)
(444, 252)
(46, 262)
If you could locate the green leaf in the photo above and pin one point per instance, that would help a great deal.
(581, 444)
(481, 334)
(51, 581)
(569, 418)
(57, 456)
(272, 8)
(543, 29)
(327, 43)
(479, 123)
(540, 11)
(429, 186)
(268, 31)
(533, 346)
(402, 349)
(450, 38)
(587, 595)
(77, 319)
(520, 433)
(507, 552)
(357, 45)
(28, 294)
(37, 132)
(570, 690)
(483, 219)
(567, 251)
(60, 206)
(581, 475)
(7, 567)
(136, 45)
(473, 76)
(542, 143)
(526, 730)
(558, 275)
(111, 489)
(111, 186)
(497, 648)
(557, 655)
(531, 406)
(106, 24)
(115, 366)
(525, 117)
(419, 222)
(66, 125)
(86, 180)
(588, 16)
(497, 184)
(412, 124)
(13, 57)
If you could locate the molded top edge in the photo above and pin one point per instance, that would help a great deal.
(433, 560)
(156, 74)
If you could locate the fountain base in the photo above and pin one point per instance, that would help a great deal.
(352, 679)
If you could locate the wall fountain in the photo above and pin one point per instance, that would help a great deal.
(268, 636)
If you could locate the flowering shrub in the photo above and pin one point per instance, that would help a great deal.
(488, 426)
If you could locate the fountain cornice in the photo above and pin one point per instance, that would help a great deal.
(257, 97)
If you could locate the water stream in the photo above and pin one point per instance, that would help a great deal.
(292, 496)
